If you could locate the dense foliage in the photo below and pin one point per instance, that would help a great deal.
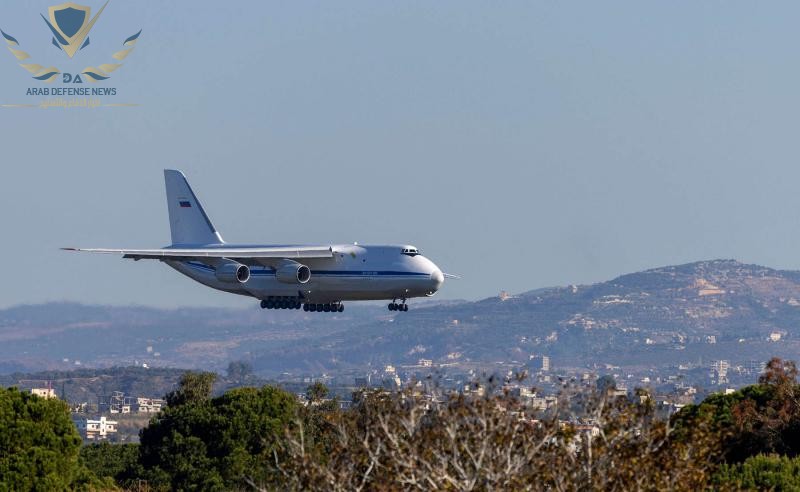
(203, 443)
(39, 444)
(760, 473)
(263, 438)
(116, 462)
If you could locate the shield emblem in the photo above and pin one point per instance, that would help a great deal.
(69, 18)
(70, 24)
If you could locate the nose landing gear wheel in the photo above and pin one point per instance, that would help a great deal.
(394, 306)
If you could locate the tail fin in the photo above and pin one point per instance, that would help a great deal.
(188, 222)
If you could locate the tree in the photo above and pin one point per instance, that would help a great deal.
(216, 443)
(606, 383)
(758, 419)
(316, 392)
(779, 373)
(193, 387)
(239, 371)
(117, 462)
(403, 440)
(39, 445)
(760, 472)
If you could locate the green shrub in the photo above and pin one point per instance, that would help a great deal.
(760, 472)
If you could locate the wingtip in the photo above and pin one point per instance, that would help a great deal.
(68, 249)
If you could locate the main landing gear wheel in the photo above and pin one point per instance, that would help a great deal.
(297, 303)
(334, 307)
(281, 303)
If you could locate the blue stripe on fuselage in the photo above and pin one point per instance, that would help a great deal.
(321, 273)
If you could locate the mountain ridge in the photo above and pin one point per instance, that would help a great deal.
(664, 315)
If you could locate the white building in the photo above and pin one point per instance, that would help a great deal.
(46, 393)
(97, 429)
(148, 405)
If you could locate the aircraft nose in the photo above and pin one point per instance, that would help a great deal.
(437, 279)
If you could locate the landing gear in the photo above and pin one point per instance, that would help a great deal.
(297, 303)
(393, 306)
(281, 303)
(334, 307)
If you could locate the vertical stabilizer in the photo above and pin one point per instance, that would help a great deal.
(188, 222)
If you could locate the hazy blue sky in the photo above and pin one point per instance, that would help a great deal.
(519, 144)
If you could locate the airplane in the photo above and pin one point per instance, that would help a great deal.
(317, 278)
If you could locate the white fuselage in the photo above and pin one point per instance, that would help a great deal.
(354, 272)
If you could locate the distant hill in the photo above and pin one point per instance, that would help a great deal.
(663, 316)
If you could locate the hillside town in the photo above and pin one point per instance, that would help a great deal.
(538, 382)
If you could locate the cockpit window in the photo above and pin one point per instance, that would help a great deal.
(410, 251)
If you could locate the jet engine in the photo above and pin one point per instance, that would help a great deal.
(232, 272)
(291, 272)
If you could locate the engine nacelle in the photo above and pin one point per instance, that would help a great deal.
(232, 272)
(291, 272)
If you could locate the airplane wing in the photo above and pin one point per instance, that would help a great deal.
(255, 254)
